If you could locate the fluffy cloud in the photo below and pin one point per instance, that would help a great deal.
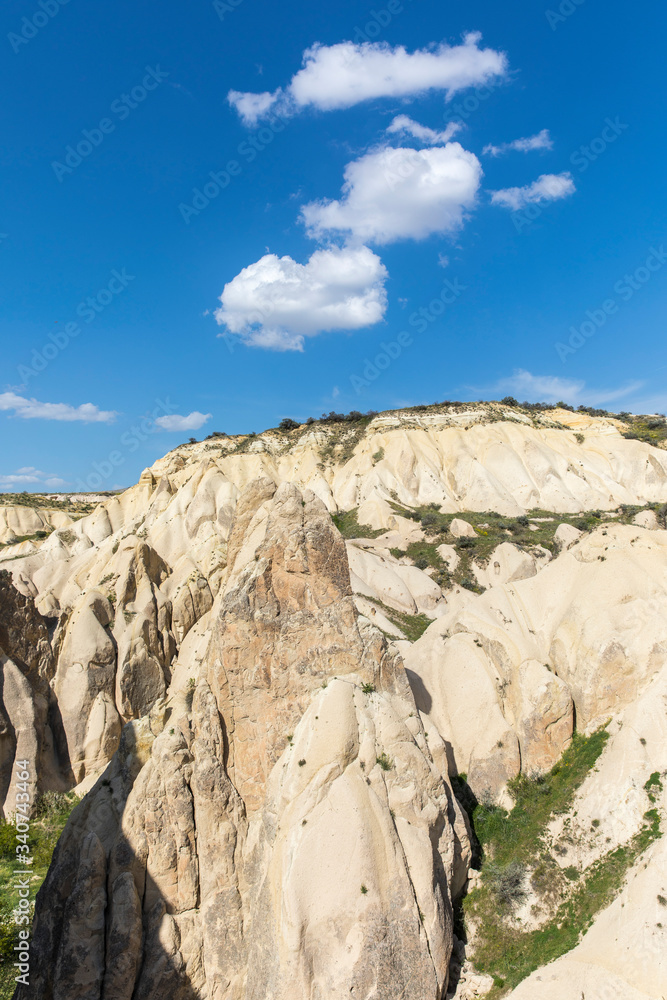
(30, 476)
(32, 409)
(552, 389)
(392, 194)
(175, 422)
(547, 187)
(406, 126)
(342, 75)
(540, 141)
(276, 302)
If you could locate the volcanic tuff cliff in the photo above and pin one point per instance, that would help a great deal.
(269, 808)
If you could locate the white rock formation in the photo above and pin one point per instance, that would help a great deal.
(17, 520)
(508, 563)
(586, 631)
(289, 832)
(462, 529)
(405, 588)
(269, 813)
(646, 519)
(566, 535)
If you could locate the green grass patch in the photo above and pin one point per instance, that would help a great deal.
(510, 845)
(412, 626)
(349, 527)
(653, 786)
(53, 810)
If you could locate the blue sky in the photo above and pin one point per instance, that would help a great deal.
(469, 195)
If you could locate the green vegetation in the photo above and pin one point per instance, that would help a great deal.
(379, 455)
(53, 809)
(514, 853)
(344, 435)
(527, 531)
(51, 501)
(386, 763)
(349, 527)
(67, 536)
(412, 626)
(653, 786)
(368, 688)
(37, 536)
(651, 429)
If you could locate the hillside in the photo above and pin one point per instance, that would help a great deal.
(306, 681)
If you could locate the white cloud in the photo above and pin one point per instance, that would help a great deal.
(32, 409)
(540, 141)
(276, 302)
(391, 194)
(407, 126)
(523, 385)
(29, 476)
(252, 107)
(175, 422)
(443, 260)
(342, 75)
(547, 187)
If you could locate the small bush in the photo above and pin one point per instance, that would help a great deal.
(465, 543)
(368, 688)
(507, 881)
(287, 424)
(385, 762)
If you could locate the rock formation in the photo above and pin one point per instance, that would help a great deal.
(266, 779)
(29, 719)
(282, 827)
